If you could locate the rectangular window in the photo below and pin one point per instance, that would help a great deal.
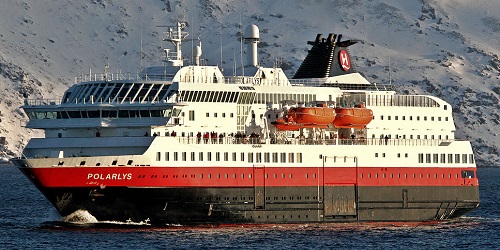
(443, 158)
(217, 156)
(450, 158)
(283, 157)
(167, 156)
(242, 156)
(420, 158)
(291, 157)
(258, 157)
(209, 156)
(234, 156)
(193, 156)
(200, 156)
(250, 157)
(176, 156)
(464, 158)
(427, 158)
(471, 158)
(191, 115)
(299, 157)
(226, 156)
(267, 157)
(435, 158)
(457, 158)
(158, 156)
(184, 156)
(275, 157)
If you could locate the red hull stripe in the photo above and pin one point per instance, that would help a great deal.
(247, 177)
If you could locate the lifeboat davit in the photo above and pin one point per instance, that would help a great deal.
(357, 117)
(306, 117)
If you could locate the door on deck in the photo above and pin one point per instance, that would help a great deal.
(259, 187)
(340, 199)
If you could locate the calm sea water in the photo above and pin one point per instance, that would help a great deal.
(26, 222)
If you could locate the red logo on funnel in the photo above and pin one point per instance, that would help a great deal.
(344, 60)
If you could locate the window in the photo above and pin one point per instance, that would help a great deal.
(427, 158)
(191, 115)
(226, 156)
(200, 156)
(267, 157)
(450, 158)
(217, 156)
(250, 157)
(234, 156)
(167, 156)
(299, 157)
(283, 157)
(176, 156)
(258, 157)
(158, 156)
(464, 158)
(457, 158)
(435, 158)
(193, 156)
(420, 158)
(291, 157)
(275, 157)
(208, 114)
(184, 156)
(209, 156)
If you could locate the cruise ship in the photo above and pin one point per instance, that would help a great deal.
(188, 145)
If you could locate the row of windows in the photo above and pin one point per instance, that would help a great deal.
(104, 113)
(411, 137)
(411, 118)
(228, 176)
(268, 198)
(251, 157)
(446, 158)
(114, 92)
(464, 174)
(399, 155)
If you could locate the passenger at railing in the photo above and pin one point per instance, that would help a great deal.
(206, 136)
(167, 133)
(221, 138)
(174, 134)
(213, 135)
(198, 137)
(154, 134)
(238, 137)
(386, 138)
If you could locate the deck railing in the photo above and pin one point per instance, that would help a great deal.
(299, 141)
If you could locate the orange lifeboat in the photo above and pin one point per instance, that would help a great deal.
(306, 117)
(357, 117)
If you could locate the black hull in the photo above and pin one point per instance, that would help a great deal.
(187, 206)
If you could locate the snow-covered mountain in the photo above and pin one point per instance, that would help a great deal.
(447, 48)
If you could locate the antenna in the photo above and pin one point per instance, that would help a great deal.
(241, 49)
(222, 68)
(140, 69)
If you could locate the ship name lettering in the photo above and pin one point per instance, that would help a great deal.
(257, 146)
(113, 176)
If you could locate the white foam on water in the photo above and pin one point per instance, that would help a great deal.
(81, 217)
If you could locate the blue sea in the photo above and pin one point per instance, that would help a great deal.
(28, 221)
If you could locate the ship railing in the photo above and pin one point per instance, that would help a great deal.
(42, 102)
(303, 141)
(121, 77)
(321, 82)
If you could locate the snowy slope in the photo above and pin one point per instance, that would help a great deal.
(448, 48)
